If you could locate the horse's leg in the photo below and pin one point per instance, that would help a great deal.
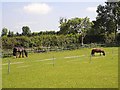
(25, 52)
(22, 54)
(93, 54)
(16, 54)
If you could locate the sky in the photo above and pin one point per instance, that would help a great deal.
(44, 15)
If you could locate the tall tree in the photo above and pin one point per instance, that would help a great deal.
(26, 31)
(75, 26)
(107, 20)
(10, 34)
(63, 26)
(108, 17)
(85, 26)
(4, 32)
(17, 34)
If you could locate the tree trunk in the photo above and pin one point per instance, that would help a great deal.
(82, 40)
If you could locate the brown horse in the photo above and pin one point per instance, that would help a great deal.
(97, 50)
(17, 51)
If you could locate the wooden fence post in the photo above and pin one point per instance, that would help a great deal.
(53, 61)
(8, 66)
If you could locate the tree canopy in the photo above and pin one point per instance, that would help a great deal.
(26, 30)
(75, 25)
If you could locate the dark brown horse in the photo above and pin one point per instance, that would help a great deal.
(18, 51)
(97, 50)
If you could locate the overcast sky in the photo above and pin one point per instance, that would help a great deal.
(44, 16)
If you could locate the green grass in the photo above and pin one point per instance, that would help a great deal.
(71, 69)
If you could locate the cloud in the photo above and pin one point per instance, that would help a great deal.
(37, 8)
(91, 9)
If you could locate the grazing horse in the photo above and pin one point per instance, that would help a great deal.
(17, 51)
(97, 50)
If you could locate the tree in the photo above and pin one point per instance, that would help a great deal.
(4, 32)
(17, 34)
(26, 31)
(75, 26)
(63, 26)
(107, 20)
(10, 34)
(85, 26)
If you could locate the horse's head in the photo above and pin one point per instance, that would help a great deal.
(92, 52)
(103, 53)
(14, 51)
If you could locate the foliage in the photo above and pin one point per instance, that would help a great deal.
(109, 39)
(107, 18)
(74, 25)
(61, 41)
(4, 32)
(9, 43)
(10, 34)
(106, 23)
(26, 30)
(69, 41)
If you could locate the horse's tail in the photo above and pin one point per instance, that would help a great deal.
(26, 53)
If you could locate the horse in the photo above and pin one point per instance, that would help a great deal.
(17, 51)
(97, 50)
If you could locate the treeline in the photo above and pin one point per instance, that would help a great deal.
(72, 41)
(25, 32)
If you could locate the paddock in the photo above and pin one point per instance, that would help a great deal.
(63, 69)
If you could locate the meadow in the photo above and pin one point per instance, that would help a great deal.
(62, 69)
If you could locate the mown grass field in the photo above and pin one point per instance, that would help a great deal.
(68, 69)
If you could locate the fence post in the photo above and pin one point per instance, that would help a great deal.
(90, 58)
(112, 53)
(8, 66)
(53, 61)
